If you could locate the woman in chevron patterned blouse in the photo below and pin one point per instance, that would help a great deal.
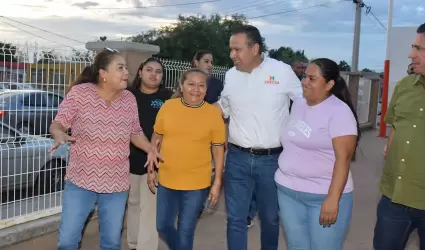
(103, 117)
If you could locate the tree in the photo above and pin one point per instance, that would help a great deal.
(103, 38)
(8, 52)
(48, 56)
(367, 70)
(287, 55)
(344, 66)
(86, 56)
(182, 40)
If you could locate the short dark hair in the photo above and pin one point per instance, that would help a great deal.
(421, 29)
(253, 35)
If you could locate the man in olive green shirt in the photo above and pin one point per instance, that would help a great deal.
(402, 206)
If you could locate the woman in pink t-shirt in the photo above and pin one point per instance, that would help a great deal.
(314, 182)
(104, 119)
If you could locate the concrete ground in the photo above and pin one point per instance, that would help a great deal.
(211, 230)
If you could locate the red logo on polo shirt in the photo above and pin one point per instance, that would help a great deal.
(271, 81)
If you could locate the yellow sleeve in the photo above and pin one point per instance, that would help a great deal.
(218, 134)
(390, 115)
(159, 122)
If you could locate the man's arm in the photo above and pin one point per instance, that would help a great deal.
(390, 118)
(293, 86)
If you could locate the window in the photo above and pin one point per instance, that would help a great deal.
(35, 100)
(54, 100)
(7, 135)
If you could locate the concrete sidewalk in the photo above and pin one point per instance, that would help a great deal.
(211, 230)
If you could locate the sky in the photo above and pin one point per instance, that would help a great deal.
(322, 28)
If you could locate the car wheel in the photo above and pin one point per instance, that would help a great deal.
(51, 178)
(25, 128)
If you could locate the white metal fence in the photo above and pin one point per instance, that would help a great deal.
(173, 70)
(33, 82)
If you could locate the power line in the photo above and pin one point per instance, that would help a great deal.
(369, 11)
(16, 27)
(156, 6)
(130, 8)
(47, 31)
(252, 6)
(236, 7)
(298, 9)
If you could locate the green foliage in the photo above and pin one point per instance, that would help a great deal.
(8, 52)
(182, 40)
(288, 55)
(344, 66)
(368, 70)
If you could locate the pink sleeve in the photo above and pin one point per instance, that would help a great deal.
(342, 122)
(136, 128)
(68, 108)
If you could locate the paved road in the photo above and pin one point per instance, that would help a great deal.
(211, 230)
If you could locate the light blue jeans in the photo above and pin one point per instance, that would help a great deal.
(78, 203)
(300, 214)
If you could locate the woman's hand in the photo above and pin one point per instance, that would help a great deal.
(152, 181)
(60, 138)
(153, 157)
(329, 212)
(214, 194)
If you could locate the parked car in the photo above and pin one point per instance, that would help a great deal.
(29, 111)
(26, 162)
(21, 86)
(5, 86)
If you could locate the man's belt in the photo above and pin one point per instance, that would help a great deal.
(259, 151)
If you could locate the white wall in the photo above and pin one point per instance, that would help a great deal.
(401, 39)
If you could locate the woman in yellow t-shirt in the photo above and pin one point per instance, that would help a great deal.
(186, 129)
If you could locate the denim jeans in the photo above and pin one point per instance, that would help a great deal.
(245, 174)
(77, 205)
(185, 204)
(253, 208)
(395, 223)
(300, 213)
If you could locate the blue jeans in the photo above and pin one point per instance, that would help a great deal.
(185, 204)
(77, 205)
(245, 174)
(253, 208)
(395, 223)
(300, 213)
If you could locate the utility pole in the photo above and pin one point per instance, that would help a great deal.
(356, 42)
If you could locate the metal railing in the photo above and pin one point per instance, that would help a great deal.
(33, 82)
(174, 68)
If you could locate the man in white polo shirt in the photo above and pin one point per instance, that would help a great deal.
(256, 98)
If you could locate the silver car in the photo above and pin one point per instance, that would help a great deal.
(26, 162)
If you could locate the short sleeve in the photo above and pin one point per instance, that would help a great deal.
(218, 129)
(342, 122)
(159, 122)
(293, 86)
(224, 98)
(390, 116)
(136, 129)
(68, 108)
